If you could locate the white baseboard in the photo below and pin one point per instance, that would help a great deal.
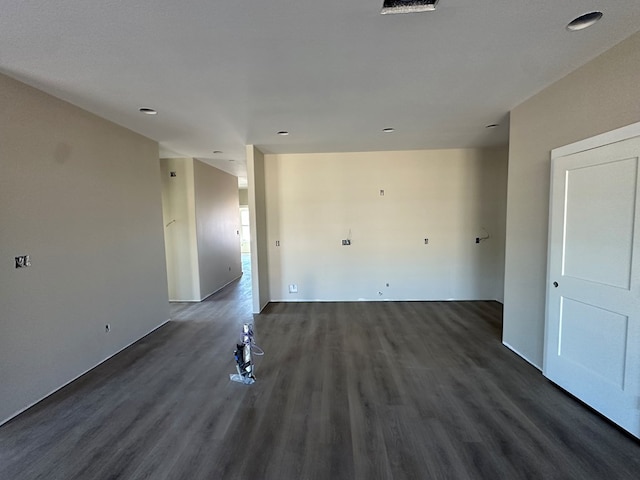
(2, 422)
(524, 357)
(217, 290)
(377, 299)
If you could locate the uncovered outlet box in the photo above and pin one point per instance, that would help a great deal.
(23, 261)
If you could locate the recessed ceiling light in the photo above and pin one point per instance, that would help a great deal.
(388, 130)
(584, 21)
(148, 111)
(284, 133)
(492, 125)
(408, 6)
(217, 151)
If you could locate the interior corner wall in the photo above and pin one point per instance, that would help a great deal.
(598, 97)
(81, 196)
(179, 218)
(217, 218)
(258, 221)
(450, 197)
(497, 170)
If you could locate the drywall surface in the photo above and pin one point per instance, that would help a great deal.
(202, 224)
(386, 204)
(258, 221)
(598, 97)
(81, 196)
(243, 194)
(217, 219)
(179, 217)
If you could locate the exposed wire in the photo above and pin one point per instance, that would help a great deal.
(485, 237)
(257, 350)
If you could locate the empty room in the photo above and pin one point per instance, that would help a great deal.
(391, 239)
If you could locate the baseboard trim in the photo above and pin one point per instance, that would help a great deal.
(524, 357)
(216, 291)
(322, 300)
(2, 422)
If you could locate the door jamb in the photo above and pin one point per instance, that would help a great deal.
(607, 138)
(614, 136)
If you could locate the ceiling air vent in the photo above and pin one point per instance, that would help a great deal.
(408, 6)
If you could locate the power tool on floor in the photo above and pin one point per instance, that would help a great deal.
(242, 355)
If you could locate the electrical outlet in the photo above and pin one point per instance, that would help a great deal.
(293, 288)
(277, 243)
(23, 261)
(346, 242)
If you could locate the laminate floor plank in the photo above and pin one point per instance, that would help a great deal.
(384, 390)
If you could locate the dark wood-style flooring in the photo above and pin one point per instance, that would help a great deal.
(406, 390)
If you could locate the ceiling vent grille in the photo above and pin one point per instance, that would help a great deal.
(408, 6)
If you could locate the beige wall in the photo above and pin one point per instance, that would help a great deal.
(218, 227)
(181, 249)
(600, 96)
(82, 197)
(202, 220)
(316, 200)
(259, 236)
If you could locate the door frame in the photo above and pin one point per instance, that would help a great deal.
(607, 138)
(615, 136)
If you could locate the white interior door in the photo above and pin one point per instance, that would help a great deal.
(592, 336)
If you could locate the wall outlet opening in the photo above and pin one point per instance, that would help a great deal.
(23, 261)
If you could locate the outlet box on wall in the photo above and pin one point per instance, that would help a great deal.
(23, 261)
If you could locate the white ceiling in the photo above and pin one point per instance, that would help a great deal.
(332, 72)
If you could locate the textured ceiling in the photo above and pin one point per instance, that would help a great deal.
(333, 72)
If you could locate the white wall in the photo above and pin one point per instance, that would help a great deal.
(258, 219)
(243, 196)
(316, 200)
(178, 213)
(82, 197)
(598, 97)
(218, 227)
